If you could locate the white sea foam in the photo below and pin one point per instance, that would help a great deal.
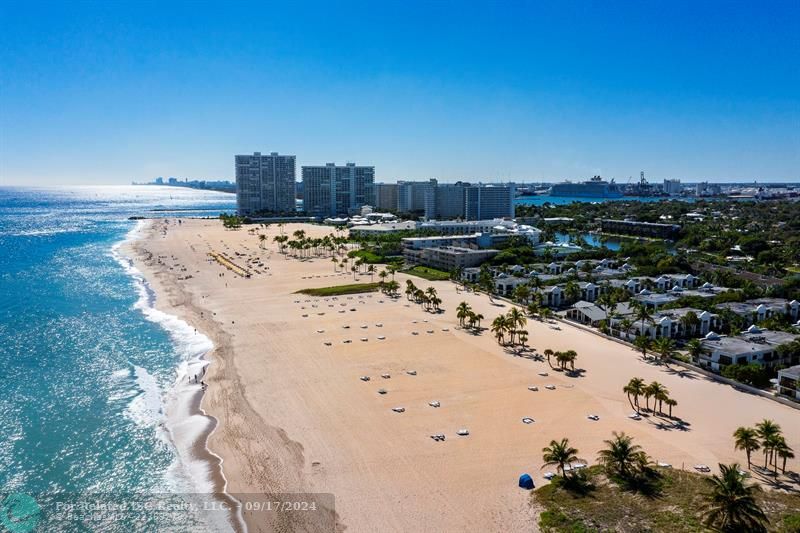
(146, 408)
(172, 414)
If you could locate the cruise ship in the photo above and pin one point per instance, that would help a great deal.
(594, 188)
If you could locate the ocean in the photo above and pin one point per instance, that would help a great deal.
(86, 364)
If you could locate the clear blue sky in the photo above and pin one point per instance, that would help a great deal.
(109, 92)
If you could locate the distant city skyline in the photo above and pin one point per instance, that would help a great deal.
(111, 93)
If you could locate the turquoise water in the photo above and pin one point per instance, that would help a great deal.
(86, 364)
(563, 200)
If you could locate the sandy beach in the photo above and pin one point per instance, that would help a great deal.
(294, 417)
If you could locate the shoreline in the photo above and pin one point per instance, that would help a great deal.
(188, 426)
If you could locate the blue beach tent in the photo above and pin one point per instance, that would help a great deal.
(525, 481)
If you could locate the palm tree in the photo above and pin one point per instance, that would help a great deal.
(559, 454)
(410, 289)
(642, 342)
(572, 291)
(671, 402)
(516, 319)
(767, 431)
(641, 313)
(746, 439)
(695, 349)
(261, 240)
(665, 348)
(478, 317)
(689, 321)
(621, 455)
(392, 269)
(635, 388)
(522, 293)
(532, 309)
(625, 325)
(784, 452)
(499, 328)
(545, 313)
(522, 335)
(382, 274)
(659, 393)
(549, 353)
(731, 505)
(462, 311)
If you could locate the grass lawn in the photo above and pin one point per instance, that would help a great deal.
(431, 274)
(676, 509)
(338, 290)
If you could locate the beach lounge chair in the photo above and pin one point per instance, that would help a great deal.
(549, 475)
(363, 326)
(382, 391)
(320, 331)
(593, 417)
(305, 316)
(415, 332)
(702, 468)
(445, 329)
(434, 403)
(543, 374)
(411, 372)
(364, 378)
(533, 388)
(345, 327)
(462, 432)
(550, 387)
(328, 343)
(364, 339)
(399, 409)
(347, 341)
(381, 337)
(634, 416)
(386, 376)
(527, 420)
(379, 325)
(663, 464)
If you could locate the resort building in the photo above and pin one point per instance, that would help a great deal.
(488, 201)
(386, 196)
(789, 382)
(411, 195)
(448, 258)
(655, 299)
(754, 311)
(466, 201)
(445, 202)
(333, 190)
(265, 183)
(672, 323)
(592, 314)
(752, 346)
(589, 291)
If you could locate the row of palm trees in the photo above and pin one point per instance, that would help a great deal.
(467, 317)
(730, 504)
(563, 359)
(428, 298)
(302, 246)
(510, 324)
(637, 387)
(766, 436)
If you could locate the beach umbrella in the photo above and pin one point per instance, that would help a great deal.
(526, 482)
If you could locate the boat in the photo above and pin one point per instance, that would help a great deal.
(596, 187)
